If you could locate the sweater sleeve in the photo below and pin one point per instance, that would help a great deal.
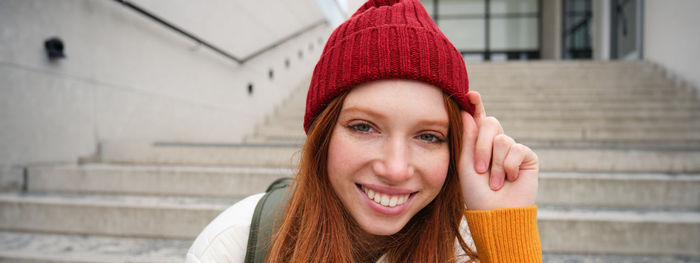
(506, 235)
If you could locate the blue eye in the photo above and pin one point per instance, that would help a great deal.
(430, 138)
(362, 127)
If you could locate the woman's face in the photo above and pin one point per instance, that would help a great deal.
(388, 156)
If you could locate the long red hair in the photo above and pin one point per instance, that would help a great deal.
(315, 226)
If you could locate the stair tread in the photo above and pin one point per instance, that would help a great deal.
(90, 248)
(234, 169)
(593, 258)
(617, 214)
(104, 200)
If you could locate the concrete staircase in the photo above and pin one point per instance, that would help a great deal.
(620, 182)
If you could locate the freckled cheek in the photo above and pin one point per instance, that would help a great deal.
(434, 169)
(345, 157)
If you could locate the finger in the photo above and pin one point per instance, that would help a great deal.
(501, 147)
(530, 161)
(489, 128)
(514, 159)
(469, 135)
(479, 111)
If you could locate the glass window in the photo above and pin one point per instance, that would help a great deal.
(513, 26)
(465, 34)
(514, 33)
(460, 7)
(577, 25)
(514, 7)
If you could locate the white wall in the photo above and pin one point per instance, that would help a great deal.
(672, 37)
(128, 78)
(353, 5)
(241, 27)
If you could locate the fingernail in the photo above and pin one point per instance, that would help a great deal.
(495, 182)
(480, 167)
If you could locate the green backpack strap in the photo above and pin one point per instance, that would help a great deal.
(261, 227)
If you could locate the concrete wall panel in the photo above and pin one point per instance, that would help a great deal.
(266, 21)
(44, 117)
(672, 38)
(126, 77)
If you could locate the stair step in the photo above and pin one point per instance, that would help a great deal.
(55, 248)
(634, 160)
(295, 120)
(653, 232)
(540, 142)
(583, 105)
(522, 125)
(507, 95)
(679, 115)
(615, 231)
(593, 258)
(616, 143)
(546, 139)
(653, 129)
(520, 105)
(588, 86)
(256, 155)
(640, 190)
(580, 159)
(279, 140)
(234, 182)
(556, 188)
(518, 81)
(561, 78)
(622, 135)
(573, 133)
(129, 216)
(599, 123)
(38, 247)
(580, 118)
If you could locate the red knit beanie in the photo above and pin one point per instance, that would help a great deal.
(386, 39)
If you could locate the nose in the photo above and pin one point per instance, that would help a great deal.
(394, 164)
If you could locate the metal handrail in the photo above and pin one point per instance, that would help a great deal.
(214, 48)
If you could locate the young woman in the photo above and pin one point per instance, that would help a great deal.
(398, 155)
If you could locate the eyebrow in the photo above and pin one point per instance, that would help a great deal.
(372, 113)
(367, 111)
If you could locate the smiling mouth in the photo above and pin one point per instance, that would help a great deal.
(387, 200)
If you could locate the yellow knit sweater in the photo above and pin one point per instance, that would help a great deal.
(506, 235)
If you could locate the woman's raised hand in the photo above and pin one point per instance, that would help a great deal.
(495, 171)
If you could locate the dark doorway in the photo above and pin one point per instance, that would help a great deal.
(577, 22)
(626, 31)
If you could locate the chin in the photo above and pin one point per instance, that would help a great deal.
(382, 229)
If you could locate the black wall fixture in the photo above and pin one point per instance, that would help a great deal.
(54, 48)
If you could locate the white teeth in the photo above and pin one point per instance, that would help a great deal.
(385, 199)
